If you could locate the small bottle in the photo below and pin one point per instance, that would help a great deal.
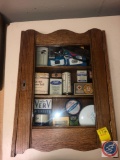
(89, 76)
(66, 77)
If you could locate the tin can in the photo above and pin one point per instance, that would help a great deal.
(41, 119)
(74, 120)
(66, 77)
(73, 107)
(41, 56)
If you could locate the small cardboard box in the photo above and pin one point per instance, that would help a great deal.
(61, 121)
(83, 89)
(41, 83)
(55, 86)
(81, 75)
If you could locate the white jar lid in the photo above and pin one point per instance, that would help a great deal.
(87, 116)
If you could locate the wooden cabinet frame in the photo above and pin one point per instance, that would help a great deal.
(79, 138)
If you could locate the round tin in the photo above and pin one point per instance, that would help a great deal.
(42, 119)
(88, 88)
(73, 107)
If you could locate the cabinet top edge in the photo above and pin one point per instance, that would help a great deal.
(66, 31)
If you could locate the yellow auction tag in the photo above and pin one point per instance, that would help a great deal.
(103, 134)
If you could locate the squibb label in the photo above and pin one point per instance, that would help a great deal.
(56, 82)
(55, 86)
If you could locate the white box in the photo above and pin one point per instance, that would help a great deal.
(81, 75)
(55, 86)
(41, 83)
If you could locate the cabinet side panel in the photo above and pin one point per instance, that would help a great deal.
(25, 92)
(101, 98)
(13, 147)
(75, 138)
(111, 103)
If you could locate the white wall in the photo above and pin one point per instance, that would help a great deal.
(111, 25)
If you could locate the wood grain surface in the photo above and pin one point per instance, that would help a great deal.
(79, 138)
(75, 138)
(24, 97)
(62, 37)
(101, 96)
(110, 94)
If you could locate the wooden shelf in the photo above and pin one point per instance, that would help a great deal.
(63, 96)
(59, 127)
(61, 68)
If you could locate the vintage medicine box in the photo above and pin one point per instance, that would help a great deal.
(61, 121)
(55, 86)
(74, 121)
(41, 83)
(83, 89)
(42, 106)
(81, 75)
(56, 75)
(41, 120)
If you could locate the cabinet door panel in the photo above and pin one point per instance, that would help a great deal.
(100, 80)
(23, 112)
(110, 95)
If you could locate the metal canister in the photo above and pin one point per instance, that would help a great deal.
(41, 119)
(66, 77)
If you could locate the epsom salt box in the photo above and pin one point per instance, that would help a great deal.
(41, 83)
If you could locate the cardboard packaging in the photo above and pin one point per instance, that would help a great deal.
(41, 83)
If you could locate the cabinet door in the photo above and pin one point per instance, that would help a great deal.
(102, 83)
(49, 138)
(24, 96)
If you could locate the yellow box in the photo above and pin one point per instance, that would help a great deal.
(61, 121)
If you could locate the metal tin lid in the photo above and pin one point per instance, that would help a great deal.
(41, 75)
(73, 107)
(41, 118)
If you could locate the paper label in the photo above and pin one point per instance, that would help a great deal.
(103, 134)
